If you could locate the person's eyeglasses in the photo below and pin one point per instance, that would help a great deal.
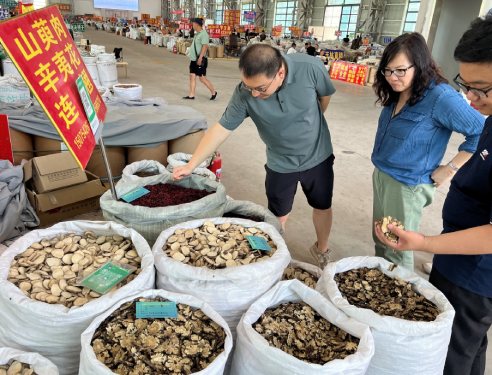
(481, 93)
(387, 72)
(260, 89)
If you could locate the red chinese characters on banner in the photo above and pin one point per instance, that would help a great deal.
(277, 30)
(41, 47)
(217, 31)
(232, 17)
(348, 72)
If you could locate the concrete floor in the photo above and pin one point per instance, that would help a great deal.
(352, 118)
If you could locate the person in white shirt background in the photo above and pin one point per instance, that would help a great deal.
(292, 49)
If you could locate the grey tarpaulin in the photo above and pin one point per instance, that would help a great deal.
(138, 123)
(16, 213)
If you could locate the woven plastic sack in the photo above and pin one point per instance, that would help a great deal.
(402, 347)
(39, 364)
(54, 330)
(230, 291)
(146, 166)
(89, 364)
(150, 222)
(251, 209)
(308, 267)
(254, 355)
(180, 158)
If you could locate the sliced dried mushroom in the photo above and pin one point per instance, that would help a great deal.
(384, 227)
(300, 274)
(16, 368)
(182, 345)
(297, 329)
(216, 246)
(370, 288)
(48, 270)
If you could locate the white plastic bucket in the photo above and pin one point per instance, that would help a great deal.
(128, 91)
(89, 59)
(106, 57)
(96, 50)
(93, 71)
(9, 68)
(108, 75)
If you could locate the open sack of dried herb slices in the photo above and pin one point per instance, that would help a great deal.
(410, 319)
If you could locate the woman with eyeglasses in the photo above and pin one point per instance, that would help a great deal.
(420, 112)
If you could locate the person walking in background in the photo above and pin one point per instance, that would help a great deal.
(420, 112)
(148, 35)
(310, 50)
(198, 60)
(463, 253)
(285, 96)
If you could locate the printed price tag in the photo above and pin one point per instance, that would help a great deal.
(105, 278)
(146, 310)
(88, 105)
(135, 194)
(258, 243)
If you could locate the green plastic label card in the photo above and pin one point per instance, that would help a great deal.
(135, 194)
(105, 278)
(145, 310)
(258, 243)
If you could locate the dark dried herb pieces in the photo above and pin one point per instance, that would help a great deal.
(297, 329)
(370, 288)
(184, 345)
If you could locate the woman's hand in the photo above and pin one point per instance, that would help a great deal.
(442, 175)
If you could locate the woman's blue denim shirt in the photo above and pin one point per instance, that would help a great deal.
(411, 145)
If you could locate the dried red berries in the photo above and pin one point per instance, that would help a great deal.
(163, 195)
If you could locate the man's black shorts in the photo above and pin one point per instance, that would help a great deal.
(198, 70)
(317, 184)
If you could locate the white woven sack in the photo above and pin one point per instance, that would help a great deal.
(311, 268)
(254, 355)
(230, 291)
(402, 347)
(180, 158)
(150, 222)
(89, 364)
(247, 208)
(40, 365)
(54, 330)
(147, 166)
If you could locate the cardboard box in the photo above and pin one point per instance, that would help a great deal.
(187, 143)
(56, 171)
(66, 203)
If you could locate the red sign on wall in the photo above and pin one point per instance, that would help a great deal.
(217, 31)
(41, 47)
(348, 72)
(5, 142)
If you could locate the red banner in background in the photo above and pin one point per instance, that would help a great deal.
(217, 31)
(5, 142)
(349, 72)
(41, 47)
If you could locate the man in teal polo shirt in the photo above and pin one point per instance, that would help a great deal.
(286, 97)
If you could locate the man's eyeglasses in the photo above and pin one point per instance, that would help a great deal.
(387, 72)
(260, 89)
(481, 93)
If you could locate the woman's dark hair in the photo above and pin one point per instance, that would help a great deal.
(260, 59)
(475, 46)
(426, 70)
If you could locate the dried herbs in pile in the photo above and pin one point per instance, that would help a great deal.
(16, 368)
(298, 330)
(163, 195)
(182, 345)
(298, 273)
(216, 246)
(371, 289)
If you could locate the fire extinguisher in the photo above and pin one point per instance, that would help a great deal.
(216, 165)
(175, 49)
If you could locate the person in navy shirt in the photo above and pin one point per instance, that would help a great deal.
(420, 112)
(462, 267)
